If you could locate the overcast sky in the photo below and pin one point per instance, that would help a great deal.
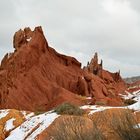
(80, 28)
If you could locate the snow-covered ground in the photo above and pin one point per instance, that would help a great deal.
(135, 95)
(27, 116)
(32, 127)
(136, 106)
(97, 108)
(9, 124)
(3, 113)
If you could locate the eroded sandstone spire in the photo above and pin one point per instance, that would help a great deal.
(93, 66)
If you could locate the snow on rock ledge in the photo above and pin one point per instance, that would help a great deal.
(9, 124)
(3, 113)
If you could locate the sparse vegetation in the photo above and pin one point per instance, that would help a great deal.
(75, 128)
(100, 103)
(120, 122)
(129, 102)
(124, 126)
(39, 110)
(70, 109)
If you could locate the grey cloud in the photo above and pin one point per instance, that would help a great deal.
(79, 28)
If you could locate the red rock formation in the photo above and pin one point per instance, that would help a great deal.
(112, 83)
(93, 66)
(36, 76)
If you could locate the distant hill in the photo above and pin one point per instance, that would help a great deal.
(132, 79)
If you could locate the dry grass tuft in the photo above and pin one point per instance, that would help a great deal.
(117, 122)
(69, 109)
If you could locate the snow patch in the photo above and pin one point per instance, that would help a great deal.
(36, 124)
(28, 39)
(83, 78)
(3, 113)
(136, 106)
(88, 98)
(135, 95)
(95, 108)
(27, 116)
(9, 124)
(137, 126)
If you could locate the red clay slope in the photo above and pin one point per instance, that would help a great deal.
(36, 77)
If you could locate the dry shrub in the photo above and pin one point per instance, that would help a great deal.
(75, 128)
(117, 122)
(101, 103)
(129, 102)
(39, 109)
(124, 125)
(69, 109)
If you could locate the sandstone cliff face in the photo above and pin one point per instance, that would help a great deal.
(36, 76)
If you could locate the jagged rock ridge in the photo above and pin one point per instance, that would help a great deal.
(35, 76)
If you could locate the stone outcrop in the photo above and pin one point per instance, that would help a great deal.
(36, 76)
(94, 67)
(97, 69)
(107, 84)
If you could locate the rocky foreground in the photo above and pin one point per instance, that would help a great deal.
(25, 125)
